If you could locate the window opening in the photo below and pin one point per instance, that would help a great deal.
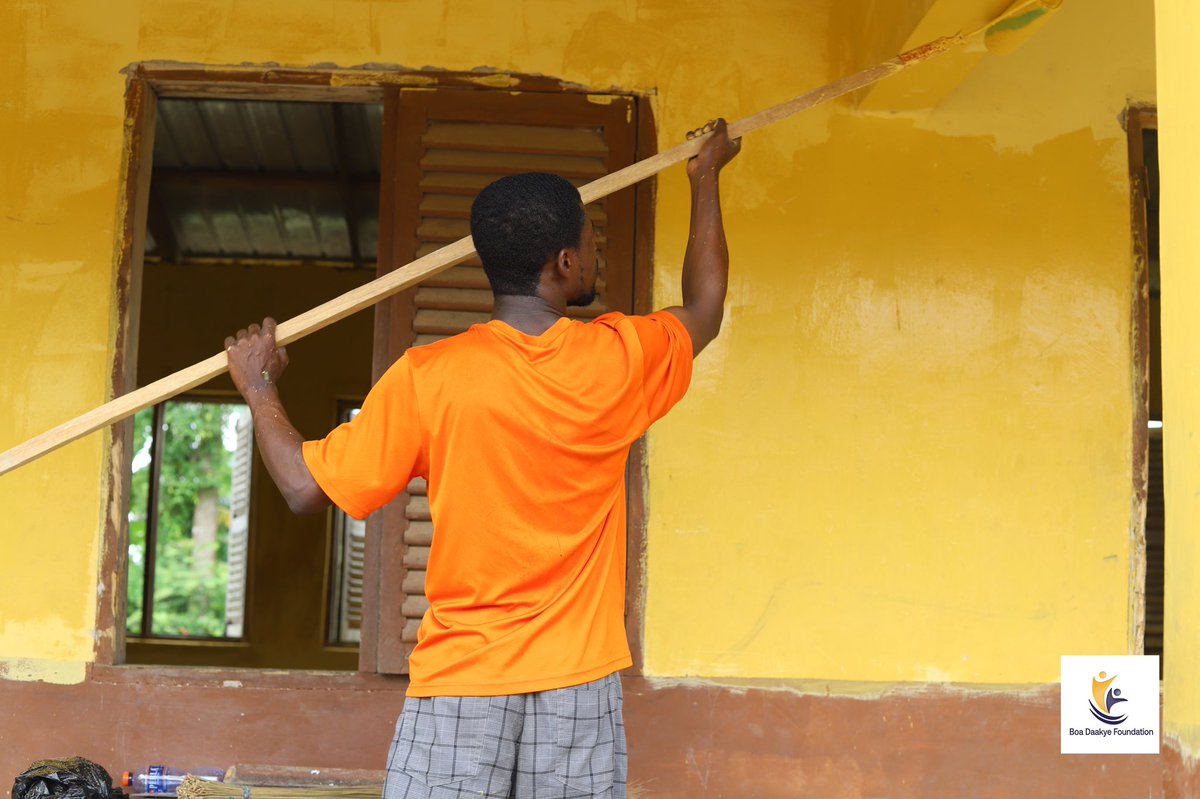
(255, 208)
(1155, 501)
(261, 207)
(1148, 556)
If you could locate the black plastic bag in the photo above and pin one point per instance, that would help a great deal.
(69, 778)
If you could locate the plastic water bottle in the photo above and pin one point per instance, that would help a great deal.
(163, 779)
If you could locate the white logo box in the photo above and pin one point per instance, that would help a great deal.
(1110, 705)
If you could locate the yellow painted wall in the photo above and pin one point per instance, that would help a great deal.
(907, 456)
(1179, 159)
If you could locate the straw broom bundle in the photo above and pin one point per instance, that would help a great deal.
(195, 788)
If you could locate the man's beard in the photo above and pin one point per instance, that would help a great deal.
(583, 300)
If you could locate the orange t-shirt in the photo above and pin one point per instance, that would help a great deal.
(523, 440)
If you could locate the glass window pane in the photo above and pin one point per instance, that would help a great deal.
(201, 518)
(139, 503)
(345, 597)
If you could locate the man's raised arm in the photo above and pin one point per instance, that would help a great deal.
(255, 364)
(706, 262)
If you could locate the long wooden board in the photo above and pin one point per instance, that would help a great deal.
(413, 273)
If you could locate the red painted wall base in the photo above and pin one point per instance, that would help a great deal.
(686, 740)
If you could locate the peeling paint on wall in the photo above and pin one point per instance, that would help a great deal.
(907, 455)
(59, 672)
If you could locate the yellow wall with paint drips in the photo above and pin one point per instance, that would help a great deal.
(907, 457)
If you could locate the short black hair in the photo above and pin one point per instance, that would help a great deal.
(519, 222)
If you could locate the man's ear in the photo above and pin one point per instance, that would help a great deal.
(564, 261)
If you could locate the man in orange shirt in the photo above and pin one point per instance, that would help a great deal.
(522, 427)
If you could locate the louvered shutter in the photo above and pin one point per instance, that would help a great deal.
(1155, 554)
(449, 145)
(239, 529)
(346, 577)
(350, 534)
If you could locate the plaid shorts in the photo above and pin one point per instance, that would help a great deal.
(567, 743)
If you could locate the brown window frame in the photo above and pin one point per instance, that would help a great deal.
(145, 83)
(1138, 119)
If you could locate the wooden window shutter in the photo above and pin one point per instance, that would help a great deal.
(441, 148)
(1155, 540)
(239, 530)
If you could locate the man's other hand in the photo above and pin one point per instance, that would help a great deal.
(255, 361)
(717, 151)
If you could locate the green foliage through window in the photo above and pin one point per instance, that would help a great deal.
(199, 511)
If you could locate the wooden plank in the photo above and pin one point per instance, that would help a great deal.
(293, 329)
(425, 248)
(302, 776)
(370, 293)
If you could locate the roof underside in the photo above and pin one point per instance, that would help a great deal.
(265, 182)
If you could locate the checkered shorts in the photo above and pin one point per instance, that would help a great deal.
(563, 744)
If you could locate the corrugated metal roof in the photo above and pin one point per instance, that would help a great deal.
(241, 181)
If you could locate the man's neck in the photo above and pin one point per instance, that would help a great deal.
(533, 316)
